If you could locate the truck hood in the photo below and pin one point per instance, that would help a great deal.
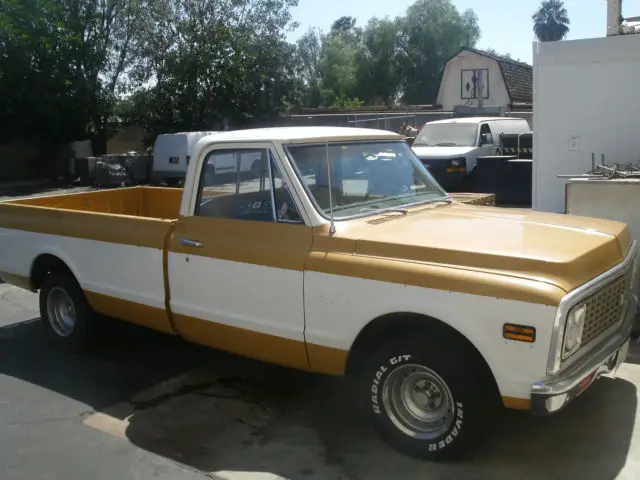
(561, 250)
(441, 152)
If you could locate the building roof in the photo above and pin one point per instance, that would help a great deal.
(518, 76)
(293, 134)
(476, 120)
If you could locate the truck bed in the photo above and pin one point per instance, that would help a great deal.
(112, 240)
(149, 202)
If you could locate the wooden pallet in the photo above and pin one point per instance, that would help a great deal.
(488, 199)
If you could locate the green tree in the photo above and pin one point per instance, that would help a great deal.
(64, 63)
(492, 51)
(343, 26)
(430, 33)
(210, 60)
(40, 81)
(379, 60)
(338, 64)
(308, 56)
(551, 21)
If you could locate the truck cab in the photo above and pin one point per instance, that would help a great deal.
(450, 148)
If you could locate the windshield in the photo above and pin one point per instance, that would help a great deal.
(364, 177)
(447, 135)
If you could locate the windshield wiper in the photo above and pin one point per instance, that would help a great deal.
(446, 144)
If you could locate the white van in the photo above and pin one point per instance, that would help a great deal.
(172, 153)
(449, 148)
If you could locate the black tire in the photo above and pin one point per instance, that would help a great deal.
(469, 396)
(81, 336)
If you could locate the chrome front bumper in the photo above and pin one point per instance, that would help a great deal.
(554, 393)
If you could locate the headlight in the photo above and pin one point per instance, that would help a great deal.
(573, 330)
(455, 162)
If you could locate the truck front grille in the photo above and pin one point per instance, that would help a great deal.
(605, 308)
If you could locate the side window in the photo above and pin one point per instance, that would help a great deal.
(486, 138)
(286, 210)
(235, 184)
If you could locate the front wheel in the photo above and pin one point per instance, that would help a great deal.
(424, 401)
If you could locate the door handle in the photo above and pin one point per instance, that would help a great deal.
(190, 243)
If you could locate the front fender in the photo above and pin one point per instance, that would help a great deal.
(338, 308)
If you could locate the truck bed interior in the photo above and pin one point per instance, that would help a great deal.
(150, 202)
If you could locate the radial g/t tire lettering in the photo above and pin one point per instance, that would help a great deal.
(425, 399)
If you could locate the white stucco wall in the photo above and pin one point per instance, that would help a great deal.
(449, 94)
(585, 99)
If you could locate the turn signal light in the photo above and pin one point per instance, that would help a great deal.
(520, 333)
(456, 170)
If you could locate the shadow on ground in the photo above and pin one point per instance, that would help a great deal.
(225, 414)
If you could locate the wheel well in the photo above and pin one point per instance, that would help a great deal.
(44, 265)
(383, 328)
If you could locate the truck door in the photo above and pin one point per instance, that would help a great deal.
(236, 261)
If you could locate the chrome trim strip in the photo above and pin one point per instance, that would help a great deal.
(571, 299)
(597, 362)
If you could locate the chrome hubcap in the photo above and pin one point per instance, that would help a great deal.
(61, 312)
(418, 401)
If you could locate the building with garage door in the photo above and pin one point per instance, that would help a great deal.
(476, 78)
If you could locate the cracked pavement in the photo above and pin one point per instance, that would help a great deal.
(149, 406)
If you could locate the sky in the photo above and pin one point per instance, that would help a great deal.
(506, 25)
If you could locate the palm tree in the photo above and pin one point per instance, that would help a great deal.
(551, 21)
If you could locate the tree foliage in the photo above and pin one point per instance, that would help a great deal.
(432, 32)
(69, 69)
(551, 21)
(63, 63)
(211, 60)
(389, 60)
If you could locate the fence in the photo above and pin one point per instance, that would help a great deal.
(385, 122)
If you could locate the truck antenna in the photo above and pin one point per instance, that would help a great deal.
(332, 226)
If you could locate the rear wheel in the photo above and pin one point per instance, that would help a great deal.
(65, 314)
(424, 401)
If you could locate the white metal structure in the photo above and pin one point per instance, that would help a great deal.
(586, 101)
(613, 199)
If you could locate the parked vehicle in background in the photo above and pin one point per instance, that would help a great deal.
(110, 172)
(171, 155)
(345, 257)
(449, 148)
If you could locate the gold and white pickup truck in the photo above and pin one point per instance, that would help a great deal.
(341, 256)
